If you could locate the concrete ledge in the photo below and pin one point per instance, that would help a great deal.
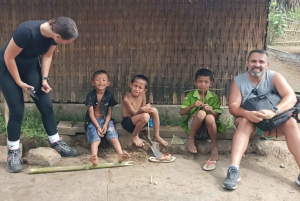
(80, 110)
(284, 54)
(69, 128)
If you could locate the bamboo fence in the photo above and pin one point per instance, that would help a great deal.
(166, 40)
(291, 34)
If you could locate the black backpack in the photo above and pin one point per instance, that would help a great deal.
(268, 101)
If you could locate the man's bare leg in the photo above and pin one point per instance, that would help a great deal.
(156, 137)
(240, 139)
(196, 124)
(292, 136)
(211, 127)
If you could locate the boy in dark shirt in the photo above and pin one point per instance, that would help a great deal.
(98, 118)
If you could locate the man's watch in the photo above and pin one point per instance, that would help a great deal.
(45, 78)
(275, 109)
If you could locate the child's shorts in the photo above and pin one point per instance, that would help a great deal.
(127, 124)
(92, 133)
(202, 132)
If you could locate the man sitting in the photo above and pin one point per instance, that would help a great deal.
(261, 81)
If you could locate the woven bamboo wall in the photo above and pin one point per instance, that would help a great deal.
(166, 40)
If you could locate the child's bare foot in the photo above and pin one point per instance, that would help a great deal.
(191, 145)
(214, 154)
(160, 140)
(94, 160)
(122, 157)
(137, 141)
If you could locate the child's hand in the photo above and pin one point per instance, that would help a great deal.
(104, 129)
(197, 104)
(100, 132)
(147, 108)
(207, 108)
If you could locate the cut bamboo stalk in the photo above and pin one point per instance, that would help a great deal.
(77, 167)
(203, 94)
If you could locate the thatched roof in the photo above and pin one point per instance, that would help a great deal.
(289, 3)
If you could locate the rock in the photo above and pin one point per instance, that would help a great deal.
(43, 156)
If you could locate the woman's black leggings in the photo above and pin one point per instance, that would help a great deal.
(30, 73)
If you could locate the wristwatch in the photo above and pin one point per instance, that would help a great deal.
(275, 109)
(45, 78)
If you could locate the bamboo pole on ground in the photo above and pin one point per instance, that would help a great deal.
(77, 167)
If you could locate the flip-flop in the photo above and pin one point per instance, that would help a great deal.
(167, 158)
(210, 165)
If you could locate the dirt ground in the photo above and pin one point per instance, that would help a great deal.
(184, 179)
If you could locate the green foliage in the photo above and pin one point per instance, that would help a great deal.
(32, 127)
(169, 120)
(227, 121)
(2, 124)
(62, 115)
(278, 15)
(294, 14)
(277, 21)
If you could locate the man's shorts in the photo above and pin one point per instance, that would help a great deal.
(202, 133)
(258, 131)
(92, 133)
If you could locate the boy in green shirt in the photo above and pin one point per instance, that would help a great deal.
(202, 110)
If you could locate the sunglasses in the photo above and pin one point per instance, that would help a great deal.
(254, 91)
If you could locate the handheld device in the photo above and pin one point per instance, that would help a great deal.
(33, 95)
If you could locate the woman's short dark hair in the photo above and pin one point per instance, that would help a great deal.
(65, 27)
(204, 72)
